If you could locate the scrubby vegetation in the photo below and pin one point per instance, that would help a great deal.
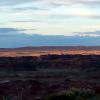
(74, 94)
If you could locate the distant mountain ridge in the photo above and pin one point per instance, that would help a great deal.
(24, 40)
(53, 48)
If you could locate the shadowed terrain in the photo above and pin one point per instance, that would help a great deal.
(40, 76)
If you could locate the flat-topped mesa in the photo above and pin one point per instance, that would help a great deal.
(30, 63)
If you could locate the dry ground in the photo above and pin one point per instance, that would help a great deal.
(45, 52)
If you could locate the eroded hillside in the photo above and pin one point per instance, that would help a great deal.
(37, 76)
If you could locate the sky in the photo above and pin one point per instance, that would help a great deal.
(70, 18)
(51, 17)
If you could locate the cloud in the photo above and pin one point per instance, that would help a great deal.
(14, 2)
(85, 12)
(28, 8)
(52, 2)
(50, 16)
(26, 21)
(10, 37)
(72, 2)
(89, 34)
(89, 2)
(72, 8)
(48, 40)
(9, 32)
(12, 32)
